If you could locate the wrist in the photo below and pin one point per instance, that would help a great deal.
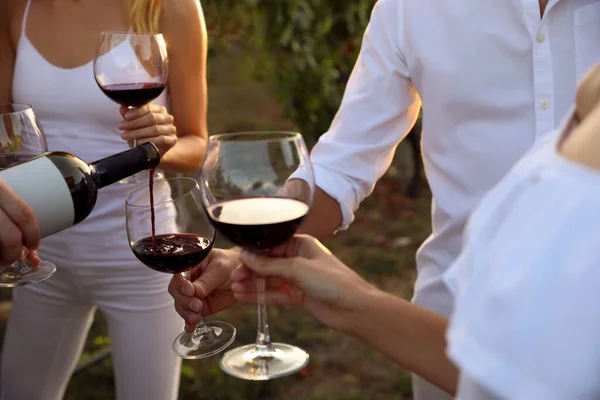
(361, 310)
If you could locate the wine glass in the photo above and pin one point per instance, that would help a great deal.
(253, 197)
(169, 232)
(21, 138)
(132, 70)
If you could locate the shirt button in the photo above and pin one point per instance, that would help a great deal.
(540, 38)
(544, 104)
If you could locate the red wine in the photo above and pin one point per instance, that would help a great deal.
(152, 217)
(172, 253)
(133, 94)
(258, 223)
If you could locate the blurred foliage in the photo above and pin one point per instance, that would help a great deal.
(304, 49)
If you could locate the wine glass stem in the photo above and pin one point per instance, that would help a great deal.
(133, 142)
(263, 339)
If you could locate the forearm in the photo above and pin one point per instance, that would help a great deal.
(185, 156)
(324, 218)
(411, 336)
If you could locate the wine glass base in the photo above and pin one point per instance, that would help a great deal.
(141, 178)
(9, 278)
(252, 363)
(187, 346)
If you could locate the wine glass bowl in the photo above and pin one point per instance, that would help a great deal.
(169, 232)
(257, 189)
(131, 69)
(21, 139)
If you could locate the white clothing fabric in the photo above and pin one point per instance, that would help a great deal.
(95, 265)
(50, 320)
(493, 77)
(525, 324)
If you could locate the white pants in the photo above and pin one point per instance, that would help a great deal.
(49, 322)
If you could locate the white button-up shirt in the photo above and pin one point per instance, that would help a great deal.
(493, 77)
(526, 321)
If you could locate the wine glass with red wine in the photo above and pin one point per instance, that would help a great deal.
(253, 196)
(131, 69)
(169, 232)
(21, 138)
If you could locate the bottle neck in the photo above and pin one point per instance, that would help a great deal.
(125, 164)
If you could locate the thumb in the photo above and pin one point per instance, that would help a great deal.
(262, 265)
(215, 275)
(123, 110)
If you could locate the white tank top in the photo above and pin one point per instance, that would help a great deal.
(78, 118)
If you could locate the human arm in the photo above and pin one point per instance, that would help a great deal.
(181, 136)
(379, 107)
(304, 273)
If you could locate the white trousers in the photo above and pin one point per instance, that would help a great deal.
(49, 322)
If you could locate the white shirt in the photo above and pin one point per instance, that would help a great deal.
(493, 79)
(526, 324)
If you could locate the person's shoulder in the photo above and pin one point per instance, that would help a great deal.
(11, 17)
(12, 9)
(179, 17)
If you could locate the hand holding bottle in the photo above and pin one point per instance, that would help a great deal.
(19, 227)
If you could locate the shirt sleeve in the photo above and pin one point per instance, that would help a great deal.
(526, 323)
(378, 109)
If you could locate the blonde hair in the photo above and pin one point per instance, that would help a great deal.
(143, 15)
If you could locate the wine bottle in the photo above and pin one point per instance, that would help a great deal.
(62, 189)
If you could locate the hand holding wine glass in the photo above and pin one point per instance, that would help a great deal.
(168, 231)
(132, 70)
(149, 123)
(304, 273)
(208, 289)
(21, 139)
(244, 193)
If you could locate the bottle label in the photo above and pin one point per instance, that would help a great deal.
(43, 187)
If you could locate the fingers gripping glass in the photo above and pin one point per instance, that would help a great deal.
(131, 69)
(173, 239)
(21, 138)
(250, 194)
